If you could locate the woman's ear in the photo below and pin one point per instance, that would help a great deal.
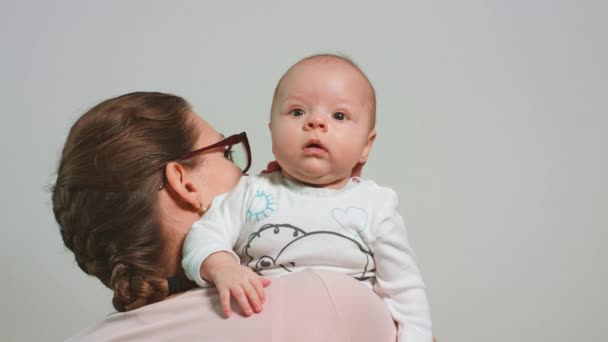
(182, 185)
(368, 146)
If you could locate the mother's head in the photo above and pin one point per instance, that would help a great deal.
(125, 196)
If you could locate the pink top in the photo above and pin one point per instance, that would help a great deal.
(304, 306)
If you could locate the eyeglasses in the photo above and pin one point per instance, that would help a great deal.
(236, 149)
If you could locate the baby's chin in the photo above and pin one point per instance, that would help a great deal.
(316, 178)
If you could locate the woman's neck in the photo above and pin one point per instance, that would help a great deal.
(176, 221)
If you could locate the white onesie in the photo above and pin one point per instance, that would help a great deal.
(276, 226)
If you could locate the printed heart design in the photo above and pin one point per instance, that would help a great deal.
(265, 262)
(353, 220)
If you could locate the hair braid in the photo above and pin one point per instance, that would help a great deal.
(105, 195)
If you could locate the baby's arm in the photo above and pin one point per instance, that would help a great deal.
(398, 280)
(208, 255)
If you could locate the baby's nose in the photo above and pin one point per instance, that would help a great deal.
(316, 122)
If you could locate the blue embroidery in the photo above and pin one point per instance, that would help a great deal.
(261, 206)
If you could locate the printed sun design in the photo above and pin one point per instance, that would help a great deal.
(261, 206)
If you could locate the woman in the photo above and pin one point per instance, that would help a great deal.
(128, 189)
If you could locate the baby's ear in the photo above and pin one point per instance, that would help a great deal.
(371, 137)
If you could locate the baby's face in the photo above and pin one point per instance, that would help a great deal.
(321, 122)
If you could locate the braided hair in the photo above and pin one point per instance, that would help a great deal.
(105, 195)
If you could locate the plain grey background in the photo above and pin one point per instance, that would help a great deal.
(492, 128)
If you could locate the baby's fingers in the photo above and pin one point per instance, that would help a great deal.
(242, 298)
(259, 283)
(225, 301)
(259, 289)
(254, 297)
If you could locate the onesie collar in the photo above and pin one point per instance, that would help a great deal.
(305, 189)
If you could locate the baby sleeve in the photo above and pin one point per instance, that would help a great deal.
(217, 230)
(398, 279)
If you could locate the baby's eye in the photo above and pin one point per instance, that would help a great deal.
(296, 112)
(339, 116)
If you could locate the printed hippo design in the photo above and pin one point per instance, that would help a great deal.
(287, 246)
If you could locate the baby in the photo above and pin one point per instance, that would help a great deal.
(313, 213)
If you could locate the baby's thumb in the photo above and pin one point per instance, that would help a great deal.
(265, 282)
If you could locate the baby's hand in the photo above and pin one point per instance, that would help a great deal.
(244, 285)
(230, 278)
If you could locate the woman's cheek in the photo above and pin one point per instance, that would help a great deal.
(231, 174)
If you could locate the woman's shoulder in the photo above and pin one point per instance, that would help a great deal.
(167, 320)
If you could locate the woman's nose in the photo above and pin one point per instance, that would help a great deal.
(316, 122)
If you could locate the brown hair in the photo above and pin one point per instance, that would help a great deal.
(106, 192)
(326, 57)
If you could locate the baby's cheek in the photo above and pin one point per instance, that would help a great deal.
(284, 151)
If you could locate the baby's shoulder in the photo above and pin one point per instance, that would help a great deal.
(371, 187)
(266, 179)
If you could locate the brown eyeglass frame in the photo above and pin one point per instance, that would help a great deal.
(230, 141)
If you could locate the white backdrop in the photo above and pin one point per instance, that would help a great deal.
(492, 127)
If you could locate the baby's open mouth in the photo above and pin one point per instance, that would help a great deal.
(314, 148)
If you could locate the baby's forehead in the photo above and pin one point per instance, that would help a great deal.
(324, 63)
(323, 68)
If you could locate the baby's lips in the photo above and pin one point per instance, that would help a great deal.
(315, 143)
